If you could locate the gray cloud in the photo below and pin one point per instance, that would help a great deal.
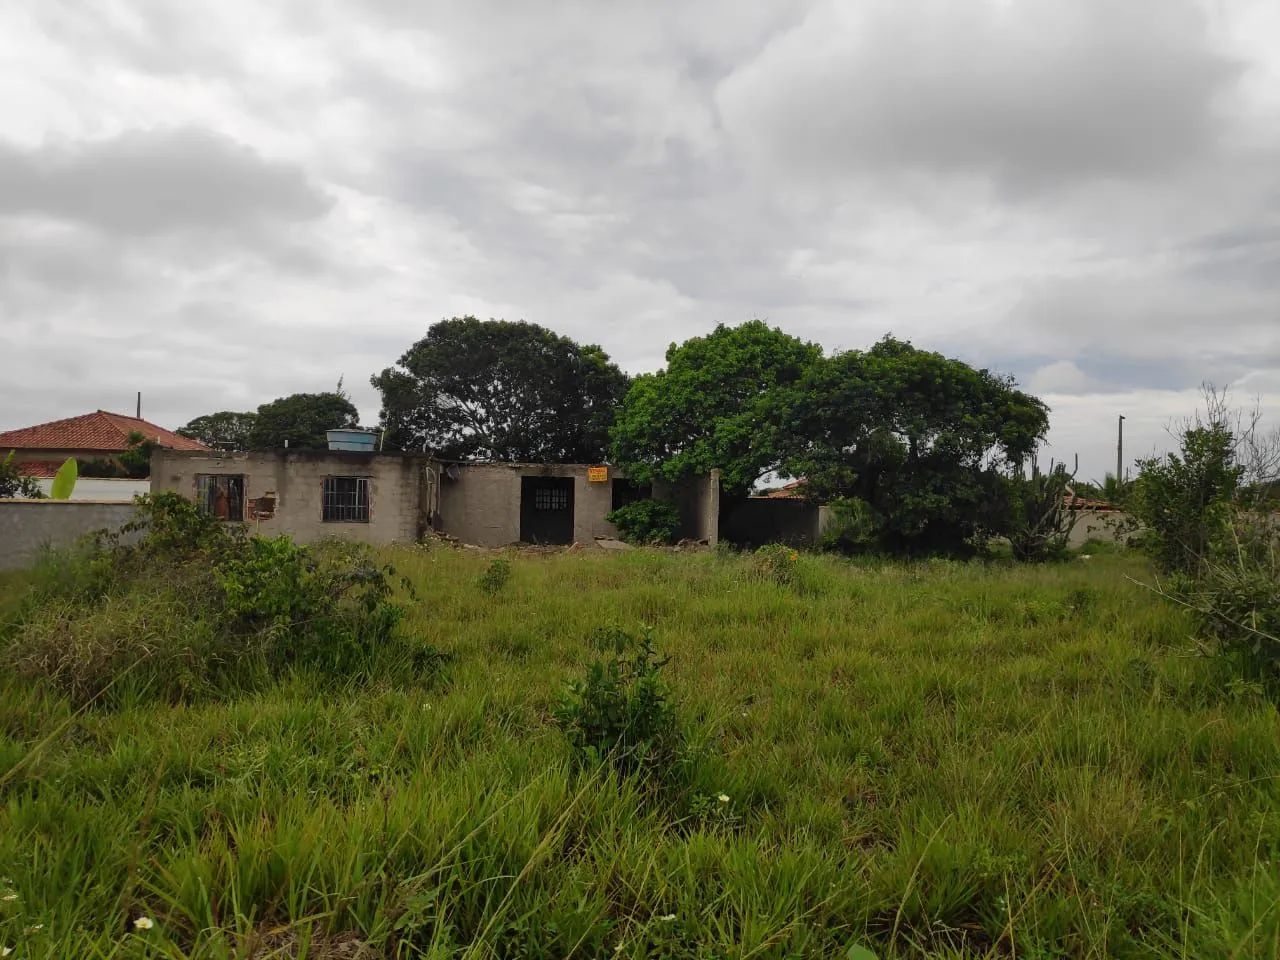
(1080, 193)
(1033, 93)
(156, 181)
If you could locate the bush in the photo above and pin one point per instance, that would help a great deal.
(777, 563)
(178, 604)
(621, 712)
(854, 527)
(15, 484)
(1237, 595)
(646, 521)
(495, 576)
(1036, 519)
(1182, 499)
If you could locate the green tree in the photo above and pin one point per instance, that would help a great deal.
(715, 405)
(500, 390)
(302, 419)
(1182, 498)
(225, 429)
(916, 436)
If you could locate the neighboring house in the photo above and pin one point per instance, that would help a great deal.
(387, 497)
(42, 449)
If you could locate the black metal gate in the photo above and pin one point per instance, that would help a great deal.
(546, 509)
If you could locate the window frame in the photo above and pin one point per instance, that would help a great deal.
(551, 499)
(332, 507)
(207, 485)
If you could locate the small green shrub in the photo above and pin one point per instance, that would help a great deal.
(1182, 499)
(178, 604)
(1035, 517)
(776, 562)
(621, 713)
(646, 521)
(1237, 595)
(854, 527)
(15, 484)
(495, 576)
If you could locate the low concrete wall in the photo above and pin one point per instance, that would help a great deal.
(28, 526)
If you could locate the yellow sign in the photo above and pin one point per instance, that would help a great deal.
(597, 474)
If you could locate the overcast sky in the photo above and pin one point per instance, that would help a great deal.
(221, 203)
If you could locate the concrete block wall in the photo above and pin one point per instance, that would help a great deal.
(295, 479)
(481, 503)
(698, 500)
(28, 526)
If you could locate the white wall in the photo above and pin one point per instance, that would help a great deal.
(95, 488)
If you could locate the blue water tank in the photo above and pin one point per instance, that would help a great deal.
(363, 441)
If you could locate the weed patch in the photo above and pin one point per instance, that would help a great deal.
(192, 607)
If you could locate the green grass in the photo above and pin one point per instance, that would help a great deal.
(938, 759)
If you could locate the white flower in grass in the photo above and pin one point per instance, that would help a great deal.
(723, 798)
(667, 917)
(1086, 556)
(9, 897)
(143, 923)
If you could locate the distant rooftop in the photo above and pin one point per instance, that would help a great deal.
(98, 431)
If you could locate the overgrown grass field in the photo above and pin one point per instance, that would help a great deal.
(935, 759)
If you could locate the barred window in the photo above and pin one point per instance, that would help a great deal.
(346, 499)
(220, 495)
(551, 498)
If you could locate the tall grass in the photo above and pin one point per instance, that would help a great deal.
(935, 759)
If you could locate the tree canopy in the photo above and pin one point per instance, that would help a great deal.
(225, 429)
(922, 439)
(501, 390)
(302, 420)
(715, 405)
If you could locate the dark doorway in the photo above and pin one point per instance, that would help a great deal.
(546, 509)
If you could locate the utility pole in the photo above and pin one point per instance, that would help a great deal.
(139, 414)
(1120, 451)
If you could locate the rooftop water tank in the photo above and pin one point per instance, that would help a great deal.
(364, 441)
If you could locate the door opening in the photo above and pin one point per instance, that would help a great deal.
(546, 509)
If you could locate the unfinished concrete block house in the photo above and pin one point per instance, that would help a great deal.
(388, 497)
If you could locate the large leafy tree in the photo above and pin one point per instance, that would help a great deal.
(921, 439)
(225, 429)
(714, 405)
(302, 420)
(500, 390)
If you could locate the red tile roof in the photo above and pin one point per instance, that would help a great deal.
(39, 468)
(107, 432)
(792, 491)
(1072, 502)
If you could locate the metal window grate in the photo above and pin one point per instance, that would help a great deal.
(346, 499)
(551, 498)
(220, 495)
